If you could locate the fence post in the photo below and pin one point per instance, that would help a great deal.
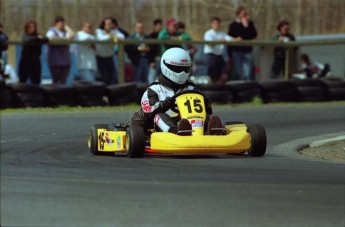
(287, 63)
(121, 62)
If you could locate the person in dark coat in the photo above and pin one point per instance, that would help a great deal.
(3, 48)
(155, 52)
(139, 54)
(30, 63)
(283, 36)
(242, 28)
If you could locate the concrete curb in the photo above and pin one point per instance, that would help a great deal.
(291, 148)
(324, 141)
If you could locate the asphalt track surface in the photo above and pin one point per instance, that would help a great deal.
(49, 178)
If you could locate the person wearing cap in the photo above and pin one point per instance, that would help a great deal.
(59, 59)
(171, 33)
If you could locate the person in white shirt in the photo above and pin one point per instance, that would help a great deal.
(86, 58)
(215, 60)
(12, 77)
(105, 52)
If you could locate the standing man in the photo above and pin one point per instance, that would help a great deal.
(215, 61)
(139, 54)
(154, 54)
(283, 36)
(244, 29)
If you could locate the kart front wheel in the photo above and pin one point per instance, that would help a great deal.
(258, 140)
(135, 142)
(92, 138)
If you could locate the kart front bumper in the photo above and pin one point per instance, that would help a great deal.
(168, 143)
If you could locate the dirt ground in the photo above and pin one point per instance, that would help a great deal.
(329, 151)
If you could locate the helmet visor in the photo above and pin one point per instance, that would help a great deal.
(177, 69)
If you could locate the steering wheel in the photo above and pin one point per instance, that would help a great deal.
(173, 108)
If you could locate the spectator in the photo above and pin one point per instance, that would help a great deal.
(117, 27)
(215, 60)
(244, 29)
(3, 40)
(139, 54)
(59, 59)
(86, 58)
(313, 69)
(154, 53)
(105, 52)
(181, 27)
(283, 36)
(3, 48)
(10, 75)
(172, 34)
(30, 62)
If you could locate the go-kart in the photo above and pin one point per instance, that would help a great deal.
(135, 141)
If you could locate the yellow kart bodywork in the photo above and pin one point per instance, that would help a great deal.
(236, 141)
(233, 138)
(111, 141)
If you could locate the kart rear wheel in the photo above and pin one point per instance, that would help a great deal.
(258, 140)
(135, 142)
(92, 138)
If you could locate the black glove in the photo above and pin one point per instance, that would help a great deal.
(167, 103)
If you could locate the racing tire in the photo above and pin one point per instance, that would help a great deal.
(5, 98)
(58, 95)
(277, 91)
(335, 89)
(92, 140)
(258, 140)
(26, 95)
(90, 93)
(120, 94)
(244, 91)
(135, 142)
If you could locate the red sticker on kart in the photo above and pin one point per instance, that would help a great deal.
(197, 123)
(156, 119)
(146, 106)
(108, 140)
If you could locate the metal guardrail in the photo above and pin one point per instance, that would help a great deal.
(261, 43)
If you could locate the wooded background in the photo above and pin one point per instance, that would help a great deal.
(306, 16)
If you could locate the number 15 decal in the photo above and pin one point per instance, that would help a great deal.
(196, 104)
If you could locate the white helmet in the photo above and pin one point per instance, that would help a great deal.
(176, 64)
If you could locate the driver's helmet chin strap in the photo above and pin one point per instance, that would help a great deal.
(168, 83)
